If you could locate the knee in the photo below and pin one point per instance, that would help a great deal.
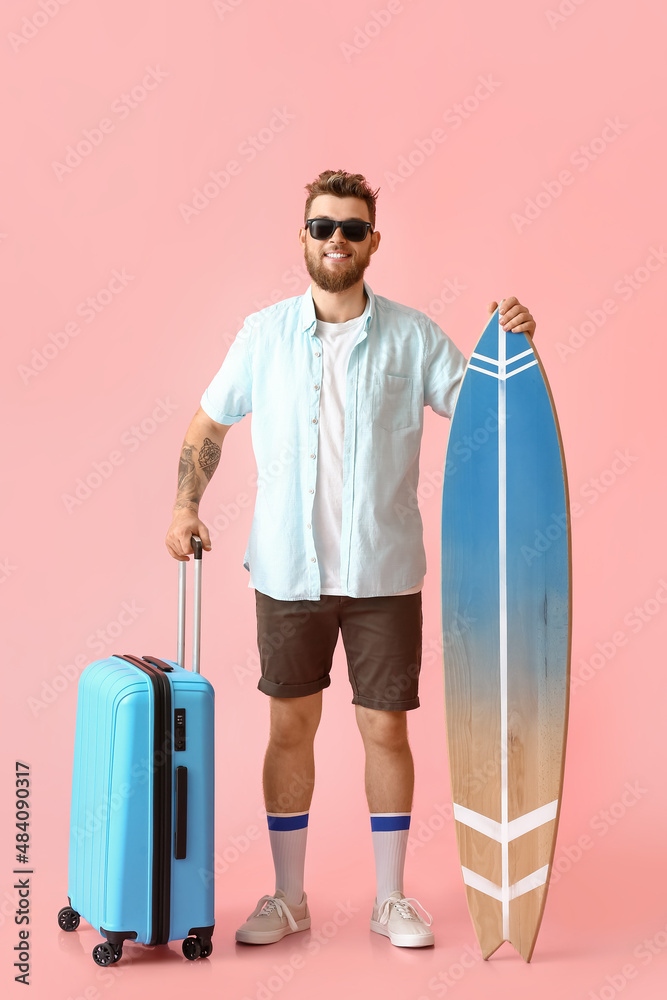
(293, 724)
(386, 731)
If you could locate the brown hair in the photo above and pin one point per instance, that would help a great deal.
(344, 185)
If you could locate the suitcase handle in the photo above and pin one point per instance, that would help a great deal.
(198, 549)
(181, 832)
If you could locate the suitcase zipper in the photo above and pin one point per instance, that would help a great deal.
(162, 796)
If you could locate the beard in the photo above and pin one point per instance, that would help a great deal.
(329, 281)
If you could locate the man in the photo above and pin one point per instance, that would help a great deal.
(336, 380)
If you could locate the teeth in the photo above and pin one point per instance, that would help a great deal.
(337, 255)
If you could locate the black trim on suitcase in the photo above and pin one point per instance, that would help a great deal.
(181, 835)
(162, 798)
(160, 664)
(117, 937)
(202, 932)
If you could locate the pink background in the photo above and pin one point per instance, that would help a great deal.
(359, 86)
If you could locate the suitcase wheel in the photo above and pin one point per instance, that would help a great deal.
(192, 948)
(68, 919)
(195, 947)
(107, 953)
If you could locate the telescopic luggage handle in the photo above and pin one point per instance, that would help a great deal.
(198, 549)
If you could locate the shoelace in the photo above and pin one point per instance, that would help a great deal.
(268, 904)
(404, 908)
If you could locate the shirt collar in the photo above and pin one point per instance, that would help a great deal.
(309, 319)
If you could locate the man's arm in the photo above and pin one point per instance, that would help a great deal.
(200, 455)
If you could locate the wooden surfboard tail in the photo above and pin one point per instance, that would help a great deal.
(525, 919)
(508, 908)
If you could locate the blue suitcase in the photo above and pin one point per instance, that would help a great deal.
(141, 864)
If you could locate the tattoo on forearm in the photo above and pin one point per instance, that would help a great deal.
(209, 456)
(191, 484)
(186, 469)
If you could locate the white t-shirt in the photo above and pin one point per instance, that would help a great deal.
(337, 340)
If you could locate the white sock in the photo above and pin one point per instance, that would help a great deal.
(287, 833)
(390, 840)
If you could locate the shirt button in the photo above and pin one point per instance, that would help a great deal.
(314, 420)
(311, 491)
(317, 354)
(317, 386)
(312, 456)
(308, 526)
(312, 558)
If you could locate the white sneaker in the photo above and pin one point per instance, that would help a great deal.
(398, 920)
(272, 919)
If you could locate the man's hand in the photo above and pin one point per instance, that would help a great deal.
(185, 523)
(514, 317)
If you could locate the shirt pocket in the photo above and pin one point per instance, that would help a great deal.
(394, 404)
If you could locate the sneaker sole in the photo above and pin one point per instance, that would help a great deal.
(404, 940)
(270, 937)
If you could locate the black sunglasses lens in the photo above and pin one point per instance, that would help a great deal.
(354, 231)
(322, 229)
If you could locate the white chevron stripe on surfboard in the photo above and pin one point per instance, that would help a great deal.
(522, 369)
(483, 357)
(489, 888)
(517, 357)
(510, 361)
(515, 828)
(504, 376)
(483, 371)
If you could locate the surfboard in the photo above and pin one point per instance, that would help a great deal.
(506, 629)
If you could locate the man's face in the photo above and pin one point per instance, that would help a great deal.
(336, 264)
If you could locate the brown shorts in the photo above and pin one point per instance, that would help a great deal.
(382, 637)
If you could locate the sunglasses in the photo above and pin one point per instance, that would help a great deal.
(353, 230)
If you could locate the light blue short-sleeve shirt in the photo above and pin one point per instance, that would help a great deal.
(401, 362)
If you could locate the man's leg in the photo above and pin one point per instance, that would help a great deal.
(296, 641)
(289, 778)
(389, 787)
(382, 638)
(289, 764)
(390, 774)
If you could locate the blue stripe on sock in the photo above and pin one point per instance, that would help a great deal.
(390, 822)
(288, 822)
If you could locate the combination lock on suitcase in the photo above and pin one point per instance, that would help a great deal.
(141, 851)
